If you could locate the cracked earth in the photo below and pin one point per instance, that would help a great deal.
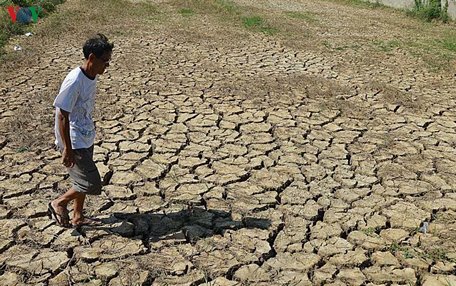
(246, 162)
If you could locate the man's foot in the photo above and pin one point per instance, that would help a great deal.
(84, 221)
(59, 214)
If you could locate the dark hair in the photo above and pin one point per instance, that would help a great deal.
(97, 46)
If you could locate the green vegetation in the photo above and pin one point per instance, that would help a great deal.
(361, 3)
(186, 12)
(227, 11)
(9, 29)
(227, 6)
(22, 149)
(434, 254)
(257, 23)
(369, 230)
(386, 46)
(448, 42)
(306, 16)
(426, 10)
(429, 10)
(437, 53)
(127, 13)
(330, 46)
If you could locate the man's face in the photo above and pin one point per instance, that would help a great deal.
(102, 62)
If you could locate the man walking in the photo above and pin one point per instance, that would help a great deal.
(75, 131)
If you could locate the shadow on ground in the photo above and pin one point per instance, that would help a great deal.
(185, 226)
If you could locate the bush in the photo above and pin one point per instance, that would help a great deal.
(430, 10)
(8, 28)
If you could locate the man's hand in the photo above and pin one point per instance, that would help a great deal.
(68, 158)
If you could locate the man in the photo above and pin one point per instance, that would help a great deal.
(75, 131)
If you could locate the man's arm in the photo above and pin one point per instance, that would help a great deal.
(64, 130)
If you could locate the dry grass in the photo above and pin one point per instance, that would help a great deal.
(32, 126)
(390, 40)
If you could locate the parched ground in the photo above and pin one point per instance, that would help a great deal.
(263, 142)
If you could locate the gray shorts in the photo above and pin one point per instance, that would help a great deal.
(84, 174)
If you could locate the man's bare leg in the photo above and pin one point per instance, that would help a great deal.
(78, 205)
(61, 203)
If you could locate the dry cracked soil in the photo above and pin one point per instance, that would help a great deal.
(283, 142)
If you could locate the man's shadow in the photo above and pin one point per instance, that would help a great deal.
(183, 226)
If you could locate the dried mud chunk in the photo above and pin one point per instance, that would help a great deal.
(251, 273)
(111, 247)
(390, 274)
(405, 215)
(125, 178)
(292, 262)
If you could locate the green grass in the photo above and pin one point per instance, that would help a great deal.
(253, 22)
(257, 23)
(227, 6)
(431, 10)
(360, 3)
(9, 29)
(228, 12)
(434, 254)
(22, 149)
(369, 230)
(306, 16)
(448, 42)
(332, 47)
(437, 53)
(186, 12)
(386, 46)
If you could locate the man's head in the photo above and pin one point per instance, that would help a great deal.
(97, 52)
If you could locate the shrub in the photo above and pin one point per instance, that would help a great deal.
(430, 10)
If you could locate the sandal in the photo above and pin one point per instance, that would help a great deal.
(61, 219)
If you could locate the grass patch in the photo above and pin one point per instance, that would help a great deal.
(129, 14)
(306, 16)
(226, 11)
(386, 46)
(22, 149)
(434, 254)
(330, 46)
(360, 3)
(429, 10)
(253, 22)
(186, 12)
(369, 231)
(227, 6)
(9, 29)
(258, 24)
(448, 42)
(437, 54)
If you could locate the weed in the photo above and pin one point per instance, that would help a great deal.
(361, 3)
(253, 22)
(429, 10)
(394, 248)
(329, 46)
(448, 42)
(369, 230)
(22, 149)
(257, 23)
(186, 12)
(306, 16)
(387, 46)
(435, 254)
(227, 6)
(408, 254)
(8, 28)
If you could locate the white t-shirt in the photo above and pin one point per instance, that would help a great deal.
(77, 96)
